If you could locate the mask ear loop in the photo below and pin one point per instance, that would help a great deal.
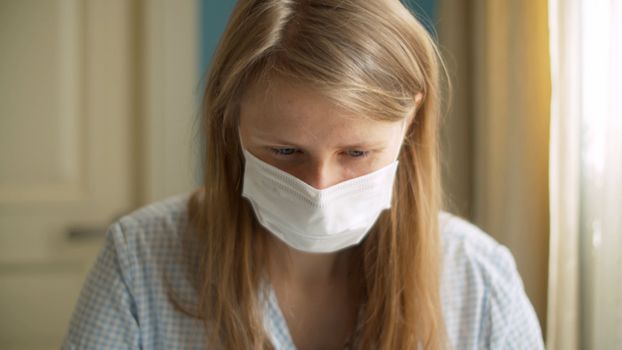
(242, 147)
(240, 138)
(405, 131)
(419, 97)
(404, 127)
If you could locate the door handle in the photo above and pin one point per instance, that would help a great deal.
(85, 233)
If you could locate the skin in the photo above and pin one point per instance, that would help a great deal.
(301, 132)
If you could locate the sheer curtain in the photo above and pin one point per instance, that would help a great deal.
(585, 272)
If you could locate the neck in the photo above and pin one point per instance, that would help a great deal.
(306, 269)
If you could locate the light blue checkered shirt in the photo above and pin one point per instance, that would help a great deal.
(124, 304)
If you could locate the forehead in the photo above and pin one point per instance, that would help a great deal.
(278, 107)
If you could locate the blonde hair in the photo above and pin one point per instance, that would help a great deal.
(372, 58)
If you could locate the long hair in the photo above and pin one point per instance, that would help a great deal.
(372, 58)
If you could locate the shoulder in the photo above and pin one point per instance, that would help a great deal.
(154, 237)
(472, 263)
(157, 226)
(464, 243)
(124, 299)
(485, 305)
(166, 215)
(155, 247)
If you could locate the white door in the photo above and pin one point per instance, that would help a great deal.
(79, 143)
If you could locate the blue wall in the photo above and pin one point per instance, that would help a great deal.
(215, 13)
(426, 12)
(214, 17)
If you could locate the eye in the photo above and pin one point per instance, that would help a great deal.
(357, 153)
(283, 151)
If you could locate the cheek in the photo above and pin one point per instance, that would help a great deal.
(243, 137)
(351, 172)
(359, 167)
(333, 171)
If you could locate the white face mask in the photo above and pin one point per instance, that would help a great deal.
(312, 220)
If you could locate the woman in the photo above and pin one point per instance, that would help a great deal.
(319, 223)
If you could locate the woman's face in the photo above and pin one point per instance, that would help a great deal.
(302, 133)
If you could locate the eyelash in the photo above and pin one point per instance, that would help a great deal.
(361, 154)
(286, 152)
(283, 152)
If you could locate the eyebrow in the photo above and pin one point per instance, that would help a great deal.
(369, 145)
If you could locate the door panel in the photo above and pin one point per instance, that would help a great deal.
(40, 101)
(67, 154)
(44, 294)
(97, 101)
